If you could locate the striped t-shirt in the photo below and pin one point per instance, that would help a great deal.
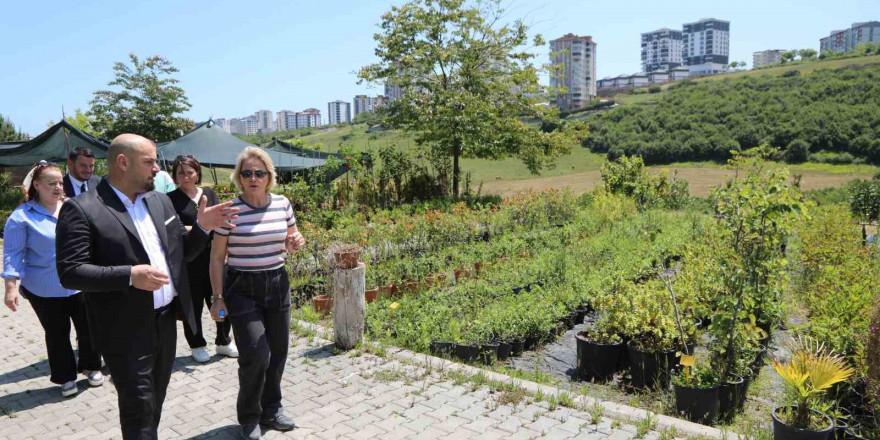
(258, 240)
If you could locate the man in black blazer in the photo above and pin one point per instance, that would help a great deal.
(123, 245)
(79, 177)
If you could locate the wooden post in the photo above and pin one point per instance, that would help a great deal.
(349, 306)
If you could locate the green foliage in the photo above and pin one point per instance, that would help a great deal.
(697, 377)
(654, 89)
(369, 118)
(148, 103)
(465, 79)
(831, 110)
(8, 132)
(629, 177)
(756, 213)
(864, 199)
(82, 121)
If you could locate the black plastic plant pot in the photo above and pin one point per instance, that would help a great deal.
(488, 353)
(581, 314)
(569, 320)
(504, 350)
(649, 369)
(759, 359)
(731, 397)
(699, 405)
(516, 290)
(595, 360)
(531, 343)
(467, 353)
(623, 360)
(784, 431)
(442, 348)
(517, 346)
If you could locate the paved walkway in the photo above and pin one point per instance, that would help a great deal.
(347, 395)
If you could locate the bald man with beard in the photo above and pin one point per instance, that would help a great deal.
(124, 247)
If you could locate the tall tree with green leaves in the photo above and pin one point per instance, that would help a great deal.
(148, 104)
(466, 78)
(82, 121)
(8, 132)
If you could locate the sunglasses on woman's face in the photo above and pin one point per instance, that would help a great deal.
(247, 174)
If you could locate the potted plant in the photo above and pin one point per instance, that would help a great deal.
(696, 393)
(812, 370)
(598, 353)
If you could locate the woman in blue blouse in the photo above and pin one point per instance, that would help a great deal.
(29, 256)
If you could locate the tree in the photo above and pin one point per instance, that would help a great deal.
(8, 132)
(369, 118)
(465, 79)
(147, 105)
(788, 56)
(734, 64)
(82, 121)
(807, 54)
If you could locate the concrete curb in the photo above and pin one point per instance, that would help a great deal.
(612, 410)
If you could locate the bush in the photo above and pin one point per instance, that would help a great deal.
(628, 176)
(832, 158)
(864, 199)
(791, 73)
(797, 151)
(654, 89)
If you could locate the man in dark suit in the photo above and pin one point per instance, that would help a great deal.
(123, 245)
(79, 177)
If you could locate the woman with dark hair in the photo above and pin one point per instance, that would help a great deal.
(187, 175)
(29, 257)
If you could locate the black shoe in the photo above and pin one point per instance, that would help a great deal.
(251, 432)
(280, 422)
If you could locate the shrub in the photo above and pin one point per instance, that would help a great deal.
(628, 176)
(791, 73)
(654, 89)
(864, 199)
(797, 151)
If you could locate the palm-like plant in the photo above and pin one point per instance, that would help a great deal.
(813, 369)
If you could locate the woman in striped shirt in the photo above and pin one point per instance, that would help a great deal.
(255, 291)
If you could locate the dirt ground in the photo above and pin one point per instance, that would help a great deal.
(701, 180)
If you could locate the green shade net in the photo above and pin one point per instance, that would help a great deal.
(213, 146)
(52, 145)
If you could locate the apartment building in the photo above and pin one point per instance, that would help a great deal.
(338, 112)
(849, 39)
(364, 104)
(661, 50)
(706, 46)
(767, 57)
(574, 74)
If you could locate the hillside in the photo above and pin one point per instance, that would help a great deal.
(835, 111)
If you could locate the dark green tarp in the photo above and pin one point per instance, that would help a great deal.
(213, 146)
(51, 145)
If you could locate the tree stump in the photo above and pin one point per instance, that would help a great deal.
(349, 306)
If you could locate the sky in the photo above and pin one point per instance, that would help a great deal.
(239, 57)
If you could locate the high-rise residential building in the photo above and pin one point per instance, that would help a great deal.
(222, 123)
(849, 39)
(393, 91)
(338, 112)
(574, 75)
(706, 46)
(767, 57)
(310, 117)
(288, 120)
(364, 103)
(661, 50)
(265, 121)
(246, 125)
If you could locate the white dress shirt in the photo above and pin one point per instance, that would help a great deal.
(152, 244)
(77, 185)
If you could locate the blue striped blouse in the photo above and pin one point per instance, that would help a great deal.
(29, 251)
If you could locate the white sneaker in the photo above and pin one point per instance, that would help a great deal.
(201, 355)
(228, 350)
(69, 389)
(96, 378)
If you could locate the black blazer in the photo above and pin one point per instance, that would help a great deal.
(96, 246)
(68, 185)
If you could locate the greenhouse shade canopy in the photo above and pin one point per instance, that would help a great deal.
(213, 146)
(52, 145)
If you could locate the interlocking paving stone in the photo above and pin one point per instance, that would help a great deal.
(329, 395)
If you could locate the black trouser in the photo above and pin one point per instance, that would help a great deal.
(200, 290)
(258, 304)
(55, 315)
(141, 380)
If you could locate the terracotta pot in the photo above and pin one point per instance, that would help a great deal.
(386, 291)
(323, 304)
(429, 281)
(441, 279)
(412, 286)
(458, 274)
(478, 267)
(371, 295)
(347, 260)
